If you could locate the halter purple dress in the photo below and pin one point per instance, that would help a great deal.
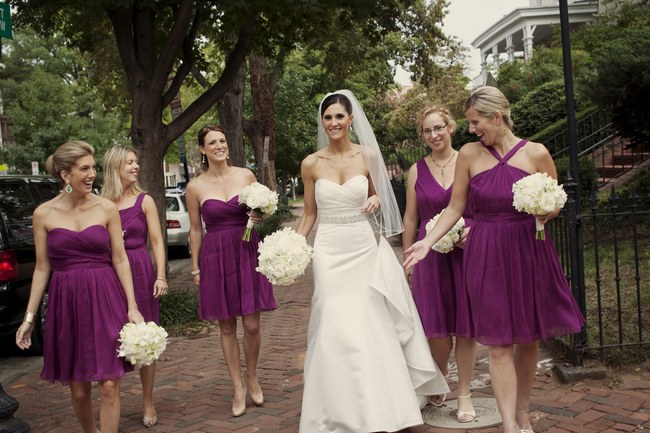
(86, 309)
(134, 229)
(230, 286)
(517, 288)
(437, 282)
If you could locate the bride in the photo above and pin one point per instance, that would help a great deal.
(368, 364)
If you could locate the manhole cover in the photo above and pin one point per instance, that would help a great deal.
(487, 414)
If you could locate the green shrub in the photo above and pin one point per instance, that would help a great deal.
(539, 108)
(587, 173)
(179, 307)
(274, 222)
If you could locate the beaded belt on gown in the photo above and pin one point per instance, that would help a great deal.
(342, 219)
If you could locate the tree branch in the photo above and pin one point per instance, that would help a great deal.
(216, 91)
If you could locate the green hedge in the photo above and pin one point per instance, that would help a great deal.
(587, 173)
(540, 108)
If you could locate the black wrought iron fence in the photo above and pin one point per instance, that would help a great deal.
(616, 247)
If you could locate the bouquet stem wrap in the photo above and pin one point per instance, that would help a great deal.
(540, 234)
(260, 199)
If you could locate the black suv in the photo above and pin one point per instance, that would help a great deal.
(19, 196)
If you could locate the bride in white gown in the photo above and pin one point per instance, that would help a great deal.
(368, 366)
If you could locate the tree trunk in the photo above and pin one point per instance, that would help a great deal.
(263, 139)
(231, 113)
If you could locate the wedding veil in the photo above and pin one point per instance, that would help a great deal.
(388, 220)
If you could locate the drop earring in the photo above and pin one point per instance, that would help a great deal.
(203, 158)
(67, 188)
(501, 131)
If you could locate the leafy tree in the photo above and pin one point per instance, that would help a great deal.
(49, 99)
(621, 56)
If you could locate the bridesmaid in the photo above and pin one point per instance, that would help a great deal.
(437, 282)
(519, 294)
(224, 265)
(79, 249)
(139, 218)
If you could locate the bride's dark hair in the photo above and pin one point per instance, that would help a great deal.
(336, 98)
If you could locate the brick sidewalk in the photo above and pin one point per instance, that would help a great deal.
(193, 391)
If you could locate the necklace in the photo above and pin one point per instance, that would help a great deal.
(442, 167)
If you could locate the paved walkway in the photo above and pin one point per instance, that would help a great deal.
(193, 391)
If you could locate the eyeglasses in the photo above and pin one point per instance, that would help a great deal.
(437, 129)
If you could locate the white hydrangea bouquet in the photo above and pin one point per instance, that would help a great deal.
(448, 241)
(259, 198)
(142, 343)
(283, 256)
(538, 194)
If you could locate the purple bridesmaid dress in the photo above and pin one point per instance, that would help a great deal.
(134, 228)
(437, 281)
(230, 286)
(86, 309)
(518, 291)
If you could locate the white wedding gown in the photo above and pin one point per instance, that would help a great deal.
(368, 364)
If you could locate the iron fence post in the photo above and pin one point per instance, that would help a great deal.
(573, 186)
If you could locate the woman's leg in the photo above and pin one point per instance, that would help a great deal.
(252, 344)
(525, 365)
(147, 374)
(465, 360)
(504, 383)
(440, 350)
(80, 393)
(109, 407)
(230, 347)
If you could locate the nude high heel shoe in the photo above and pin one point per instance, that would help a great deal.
(465, 415)
(238, 409)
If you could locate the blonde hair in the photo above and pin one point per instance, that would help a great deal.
(440, 110)
(113, 161)
(487, 100)
(66, 155)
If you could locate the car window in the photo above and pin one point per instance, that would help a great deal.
(172, 204)
(17, 206)
(182, 197)
(47, 190)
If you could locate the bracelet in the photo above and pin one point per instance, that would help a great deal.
(161, 279)
(29, 317)
(194, 273)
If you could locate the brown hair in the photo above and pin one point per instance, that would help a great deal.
(66, 155)
(201, 138)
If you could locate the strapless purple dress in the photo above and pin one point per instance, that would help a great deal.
(516, 285)
(86, 309)
(230, 286)
(134, 228)
(437, 282)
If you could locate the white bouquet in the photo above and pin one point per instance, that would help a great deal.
(259, 198)
(142, 343)
(448, 241)
(538, 194)
(283, 255)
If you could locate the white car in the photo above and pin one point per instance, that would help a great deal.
(178, 222)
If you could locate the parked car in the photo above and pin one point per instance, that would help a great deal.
(19, 196)
(178, 222)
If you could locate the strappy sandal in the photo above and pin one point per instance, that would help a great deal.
(437, 400)
(528, 429)
(464, 416)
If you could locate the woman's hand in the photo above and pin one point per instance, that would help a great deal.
(160, 288)
(371, 205)
(24, 335)
(416, 253)
(463, 238)
(135, 316)
(197, 280)
(545, 218)
(255, 216)
(408, 273)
